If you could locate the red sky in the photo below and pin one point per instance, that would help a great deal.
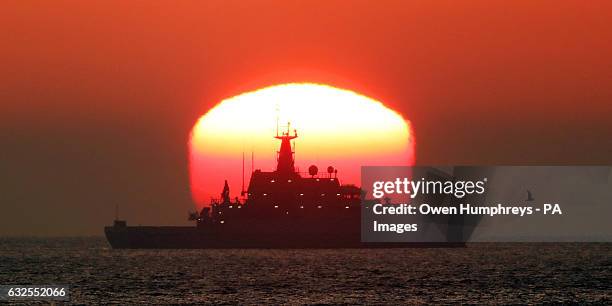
(97, 97)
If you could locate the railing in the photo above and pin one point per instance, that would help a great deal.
(318, 175)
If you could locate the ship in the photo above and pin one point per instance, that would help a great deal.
(283, 208)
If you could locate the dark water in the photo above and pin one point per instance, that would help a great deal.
(481, 273)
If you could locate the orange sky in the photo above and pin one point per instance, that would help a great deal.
(97, 98)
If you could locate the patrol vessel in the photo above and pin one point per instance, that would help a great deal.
(280, 209)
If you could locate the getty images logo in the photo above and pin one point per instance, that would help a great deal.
(413, 188)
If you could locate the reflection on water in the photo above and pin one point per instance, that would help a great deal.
(481, 273)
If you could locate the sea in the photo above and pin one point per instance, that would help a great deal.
(481, 273)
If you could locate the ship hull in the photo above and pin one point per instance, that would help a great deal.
(192, 237)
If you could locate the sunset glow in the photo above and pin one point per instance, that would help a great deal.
(335, 127)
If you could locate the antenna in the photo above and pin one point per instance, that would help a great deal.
(242, 191)
(277, 109)
(252, 162)
(116, 211)
(293, 150)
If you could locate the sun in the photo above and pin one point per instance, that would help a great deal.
(336, 127)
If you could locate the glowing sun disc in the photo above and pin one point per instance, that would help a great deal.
(335, 127)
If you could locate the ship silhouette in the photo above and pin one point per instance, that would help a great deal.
(280, 209)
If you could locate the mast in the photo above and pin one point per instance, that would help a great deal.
(277, 109)
(242, 190)
(285, 160)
